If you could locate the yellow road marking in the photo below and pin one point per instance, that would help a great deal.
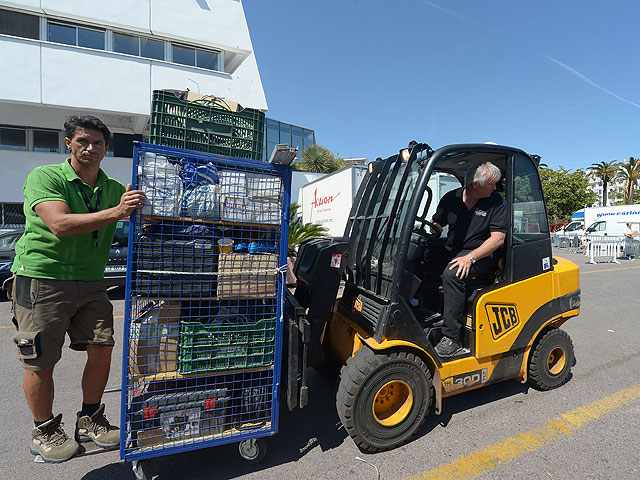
(608, 270)
(483, 461)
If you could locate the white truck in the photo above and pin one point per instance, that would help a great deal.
(327, 200)
(610, 221)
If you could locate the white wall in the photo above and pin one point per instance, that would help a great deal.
(16, 165)
(40, 72)
(214, 22)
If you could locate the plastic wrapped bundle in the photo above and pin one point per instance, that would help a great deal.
(201, 202)
(233, 184)
(161, 184)
(200, 199)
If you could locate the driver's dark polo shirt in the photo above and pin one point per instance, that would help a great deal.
(468, 229)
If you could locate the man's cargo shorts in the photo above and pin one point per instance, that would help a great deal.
(45, 310)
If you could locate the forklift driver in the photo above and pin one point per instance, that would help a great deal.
(477, 218)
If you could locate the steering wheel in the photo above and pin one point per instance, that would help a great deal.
(422, 232)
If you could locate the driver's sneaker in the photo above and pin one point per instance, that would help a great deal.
(448, 347)
(51, 443)
(96, 429)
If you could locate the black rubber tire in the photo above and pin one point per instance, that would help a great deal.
(256, 456)
(552, 346)
(362, 378)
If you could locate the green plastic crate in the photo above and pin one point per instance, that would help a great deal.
(206, 128)
(216, 347)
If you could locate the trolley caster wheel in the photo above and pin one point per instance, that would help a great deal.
(253, 450)
(142, 469)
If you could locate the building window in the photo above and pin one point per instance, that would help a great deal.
(14, 138)
(184, 55)
(46, 140)
(285, 133)
(19, 24)
(208, 60)
(196, 57)
(126, 44)
(138, 46)
(309, 138)
(77, 36)
(151, 48)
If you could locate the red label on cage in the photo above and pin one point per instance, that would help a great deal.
(149, 413)
(336, 258)
(210, 404)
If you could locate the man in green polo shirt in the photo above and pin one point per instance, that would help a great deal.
(71, 211)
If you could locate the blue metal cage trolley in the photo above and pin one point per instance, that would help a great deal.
(203, 331)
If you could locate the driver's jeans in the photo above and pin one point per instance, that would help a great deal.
(454, 291)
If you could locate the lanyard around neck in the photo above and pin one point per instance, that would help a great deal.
(78, 182)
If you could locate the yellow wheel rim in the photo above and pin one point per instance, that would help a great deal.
(556, 361)
(392, 403)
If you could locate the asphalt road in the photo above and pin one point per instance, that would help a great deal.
(586, 429)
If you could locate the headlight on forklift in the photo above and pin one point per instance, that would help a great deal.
(405, 154)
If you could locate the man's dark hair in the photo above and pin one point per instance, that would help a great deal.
(88, 122)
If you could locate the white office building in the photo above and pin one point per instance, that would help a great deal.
(105, 58)
(615, 188)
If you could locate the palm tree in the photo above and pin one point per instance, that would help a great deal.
(299, 232)
(630, 171)
(605, 171)
(319, 159)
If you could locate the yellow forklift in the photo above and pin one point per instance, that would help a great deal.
(369, 304)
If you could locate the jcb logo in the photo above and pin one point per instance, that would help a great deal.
(357, 306)
(502, 319)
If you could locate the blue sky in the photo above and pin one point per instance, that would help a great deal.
(560, 79)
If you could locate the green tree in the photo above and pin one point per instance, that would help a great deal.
(299, 232)
(565, 192)
(319, 159)
(605, 171)
(630, 172)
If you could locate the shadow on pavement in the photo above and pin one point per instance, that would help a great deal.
(472, 399)
(316, 425)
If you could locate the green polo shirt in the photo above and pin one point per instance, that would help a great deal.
(39, 253)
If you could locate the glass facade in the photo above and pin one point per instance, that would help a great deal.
(279, 132)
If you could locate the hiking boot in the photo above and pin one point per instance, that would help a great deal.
(51, 443)
(96, 429)
(448, 347)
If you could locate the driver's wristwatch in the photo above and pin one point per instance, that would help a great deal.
(473, 260)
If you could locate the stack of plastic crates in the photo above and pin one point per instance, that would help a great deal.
(203, 301)
(206, 125)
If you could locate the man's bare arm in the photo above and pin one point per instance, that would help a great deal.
(57, 216)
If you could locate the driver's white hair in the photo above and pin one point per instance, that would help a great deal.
(481, 174)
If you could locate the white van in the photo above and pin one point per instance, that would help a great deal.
(570, 235)
(610, 227)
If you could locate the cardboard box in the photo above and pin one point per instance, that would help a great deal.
(155, 338)
(243, 275)
(212, 100)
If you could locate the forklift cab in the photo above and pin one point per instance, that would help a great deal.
(369, 302)
(390, 272)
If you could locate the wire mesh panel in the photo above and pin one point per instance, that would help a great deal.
(204, 297)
